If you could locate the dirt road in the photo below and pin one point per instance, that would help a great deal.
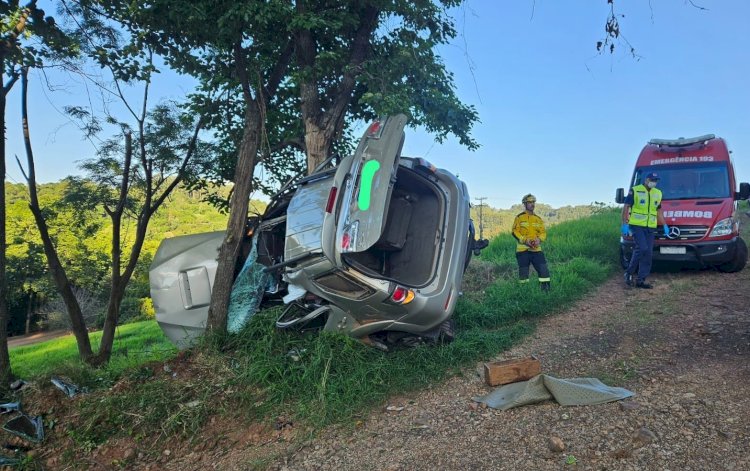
(683, 348)
(36, 337)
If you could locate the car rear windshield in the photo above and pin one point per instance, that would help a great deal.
(689, 181)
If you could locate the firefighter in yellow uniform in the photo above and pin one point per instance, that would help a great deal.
(529, 231)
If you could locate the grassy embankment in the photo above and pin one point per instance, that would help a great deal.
(135, 344)
(330, 378)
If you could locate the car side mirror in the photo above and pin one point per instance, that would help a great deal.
(744, 192)
(620, 196)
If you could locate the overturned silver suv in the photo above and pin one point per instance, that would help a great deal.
(374, 247)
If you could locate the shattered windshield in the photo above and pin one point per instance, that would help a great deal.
(689, 181)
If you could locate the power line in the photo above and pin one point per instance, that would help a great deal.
(481, 224)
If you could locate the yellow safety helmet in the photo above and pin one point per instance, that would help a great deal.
(528, 199)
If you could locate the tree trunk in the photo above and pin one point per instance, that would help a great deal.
(110, 325)
(119, 284)
(6, 375)
(238, 206)
(53, 261)
(324, 123)
(317, 144)
(29, 312)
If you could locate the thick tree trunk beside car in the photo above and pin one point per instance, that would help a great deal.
(243, 183)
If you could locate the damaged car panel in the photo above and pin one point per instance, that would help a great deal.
(377, 244)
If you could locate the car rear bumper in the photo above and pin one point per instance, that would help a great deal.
(704, 253)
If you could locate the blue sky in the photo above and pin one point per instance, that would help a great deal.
(557, 119)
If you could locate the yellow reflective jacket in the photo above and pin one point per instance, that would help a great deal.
(526, 227)
(645, 207)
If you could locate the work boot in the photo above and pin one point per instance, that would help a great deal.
(643, 285)
(628, 279)
(544, 285)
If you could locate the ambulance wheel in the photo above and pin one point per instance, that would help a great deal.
(739, 260)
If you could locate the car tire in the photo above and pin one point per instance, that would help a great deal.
(739, 261)
(447, 331)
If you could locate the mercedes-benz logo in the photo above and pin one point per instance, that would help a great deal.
(674, 232)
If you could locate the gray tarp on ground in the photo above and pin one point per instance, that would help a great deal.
(567, 392)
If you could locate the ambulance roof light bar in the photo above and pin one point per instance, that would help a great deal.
(682, 142)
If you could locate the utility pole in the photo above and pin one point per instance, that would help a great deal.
(481, 223)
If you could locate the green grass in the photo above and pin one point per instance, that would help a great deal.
(332, 378)
(134, 345)
(338, 378)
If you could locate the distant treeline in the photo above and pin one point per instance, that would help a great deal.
(496, 221)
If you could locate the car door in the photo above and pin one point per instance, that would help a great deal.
(368, 185)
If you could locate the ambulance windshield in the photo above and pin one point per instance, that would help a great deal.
(689, 181)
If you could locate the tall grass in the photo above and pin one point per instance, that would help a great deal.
(325, 378)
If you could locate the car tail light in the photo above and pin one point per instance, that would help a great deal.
(375, 130)
(349, 237)
(346, 241)
(402, 295)
(331, 199)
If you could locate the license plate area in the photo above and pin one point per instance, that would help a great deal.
(672, 250)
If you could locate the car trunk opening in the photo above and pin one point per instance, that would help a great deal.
(408, 248)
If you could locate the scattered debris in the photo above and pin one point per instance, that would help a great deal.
(24, 426)
(9, 407)
(394, 408)
(296, 353)
(69, 389)
(511, 371)
(17, 384)
(6, 461)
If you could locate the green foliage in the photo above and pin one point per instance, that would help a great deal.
(134, 344)
(83, 242)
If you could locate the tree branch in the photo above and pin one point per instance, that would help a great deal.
(359, 52)
(181, 172)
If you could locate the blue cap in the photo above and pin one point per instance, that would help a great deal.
(651, 176)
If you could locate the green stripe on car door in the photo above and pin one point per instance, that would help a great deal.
(369, 170)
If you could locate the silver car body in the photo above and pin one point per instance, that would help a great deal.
(377, 244)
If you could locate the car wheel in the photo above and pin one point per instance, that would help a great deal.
(739, 261)
(447, 331)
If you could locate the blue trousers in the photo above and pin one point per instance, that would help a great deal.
(642, 253)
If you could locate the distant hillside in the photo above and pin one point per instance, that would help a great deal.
(183, 213)
(497, 221)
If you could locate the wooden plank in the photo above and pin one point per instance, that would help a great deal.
(511, 371)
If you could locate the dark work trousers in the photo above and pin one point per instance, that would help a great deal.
(537, 259)
(642, 253)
